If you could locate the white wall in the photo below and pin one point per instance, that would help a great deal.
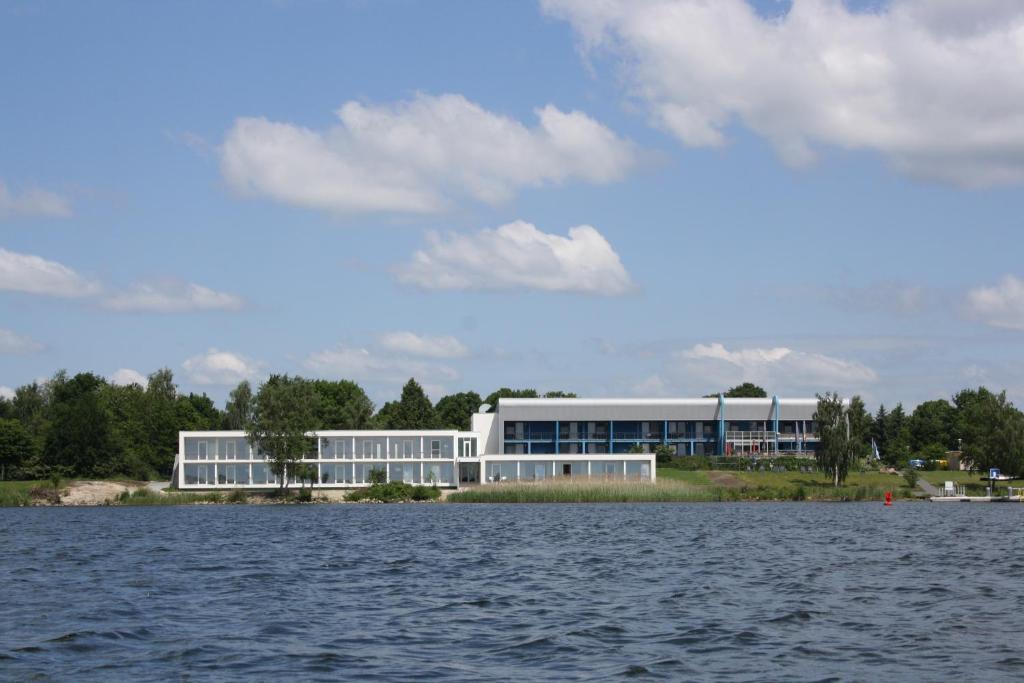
(486, 425)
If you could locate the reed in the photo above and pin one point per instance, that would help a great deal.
(568, 490)
(146, 496)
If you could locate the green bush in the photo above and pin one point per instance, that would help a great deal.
(305, 496)
(395, 492)
(910, 474)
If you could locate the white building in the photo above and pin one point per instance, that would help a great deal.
(523, 440)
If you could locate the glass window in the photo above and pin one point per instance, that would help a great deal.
(435, 448)
(201, 450)
(230, 450)
(407, 448)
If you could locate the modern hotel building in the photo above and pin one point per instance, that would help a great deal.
(524, 439)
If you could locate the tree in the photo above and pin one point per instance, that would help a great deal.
(897, 437)
(505, 392)
(993, 431)
(931, 423)
(284, 415)
(663, 453)
(838, 450)
(861, 425)
(343, 405)
(413, 410)
(746, 390)
(878, 430)
(455, 411)
(559, 394)
(15, 446)
(162, 419)
(80, 441)
(238, 409)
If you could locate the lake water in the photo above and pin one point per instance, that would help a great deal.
(798, 591)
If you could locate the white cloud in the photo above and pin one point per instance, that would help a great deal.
(1001, 305)
(518, 255)
(934, 86)
(127, 376)
(363, 364)
(221, 368)
(11, 342)
(32, 202)
(6, 392)
(421, 345)
(417, 156)
(36, 275)
(777, 369)
(172, 296)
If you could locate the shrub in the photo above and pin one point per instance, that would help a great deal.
(238, 496)
(395, 492)
(305, 495)
(910, 474)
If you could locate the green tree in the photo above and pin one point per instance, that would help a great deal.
(80, 441)
(930, 423)
(897, 437)
(746, 390)
(16, 446)
(455, 411)
(878, 430)
(413, 410)
(993, 431)
(343, 405)
(559, 394)
(505, 392)
(283, 417)
(664, 453)
(126, 407)
(162, 418)
(861, 425)
(238, 410)
(838, 449)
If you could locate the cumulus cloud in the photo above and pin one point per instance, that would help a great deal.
(420, 345)
(126, 376)
(32, 202)
(36, 275)
(6, 392)
(172, 296)
(778, 368)
(417, 156)
(221, 368)
(518, 255)
(1001, 305)
(11, 342)
(933, 86)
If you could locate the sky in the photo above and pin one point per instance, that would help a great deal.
(625, 198)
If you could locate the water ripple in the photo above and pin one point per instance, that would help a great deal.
(726, 592)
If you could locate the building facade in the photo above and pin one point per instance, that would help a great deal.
(521, 440)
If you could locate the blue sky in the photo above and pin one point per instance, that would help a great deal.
(812, 196)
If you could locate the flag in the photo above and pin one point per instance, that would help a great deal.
(874, 450)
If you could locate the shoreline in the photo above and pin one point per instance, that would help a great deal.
(699, 486)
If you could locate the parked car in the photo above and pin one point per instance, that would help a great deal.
(917, 463)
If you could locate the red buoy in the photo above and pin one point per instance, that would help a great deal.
(888, 497)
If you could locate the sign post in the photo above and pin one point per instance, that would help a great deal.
(993, 474)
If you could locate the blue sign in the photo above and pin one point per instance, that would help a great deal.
(993, 473)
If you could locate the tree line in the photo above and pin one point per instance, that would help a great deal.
(85, 426)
